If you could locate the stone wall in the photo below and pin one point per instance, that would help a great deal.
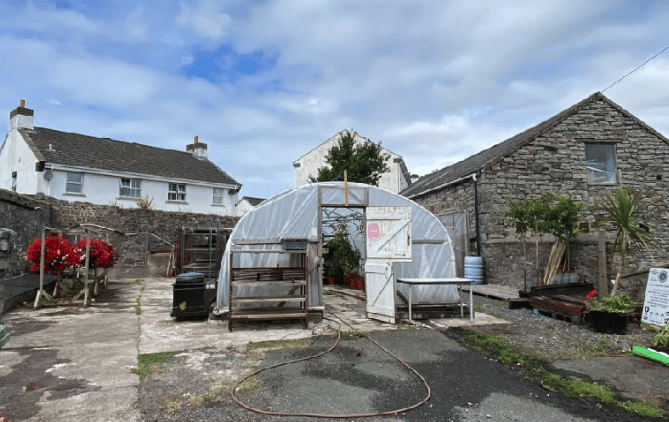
(136, 232)
(555, 162)
(21, 221)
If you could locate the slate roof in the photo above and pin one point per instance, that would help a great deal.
(73, 149)
(253, 201)
(492, 155)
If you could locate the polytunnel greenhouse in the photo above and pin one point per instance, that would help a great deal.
(273, 263)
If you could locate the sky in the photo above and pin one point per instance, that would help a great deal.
(264, 82)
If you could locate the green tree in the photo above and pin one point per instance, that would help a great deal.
(632, 233)
(531, 215)
(345, 258)
(364, 163)
(561, 222)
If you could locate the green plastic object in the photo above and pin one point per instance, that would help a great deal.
(651, 354)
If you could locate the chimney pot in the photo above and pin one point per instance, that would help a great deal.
(22, 103)
(195, 140)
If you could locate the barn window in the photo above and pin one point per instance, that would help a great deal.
(600, 162)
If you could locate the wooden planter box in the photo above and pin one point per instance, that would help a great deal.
(567, 289)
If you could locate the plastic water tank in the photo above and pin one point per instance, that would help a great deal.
(475, 269)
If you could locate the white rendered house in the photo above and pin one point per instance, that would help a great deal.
(81, 168)
(395, 180)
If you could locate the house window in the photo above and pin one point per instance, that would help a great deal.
(74, 182)
(130, 188)
(14, 177)
(600, 163)
(218, 196)
(177, 192)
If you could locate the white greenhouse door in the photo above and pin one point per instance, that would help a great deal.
(388, 231)
(380, 291)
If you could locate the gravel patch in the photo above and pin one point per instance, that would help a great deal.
(555, 339)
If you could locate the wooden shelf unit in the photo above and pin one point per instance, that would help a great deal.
(291, 304)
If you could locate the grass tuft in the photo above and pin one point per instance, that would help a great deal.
(151, 363)
(507, 353)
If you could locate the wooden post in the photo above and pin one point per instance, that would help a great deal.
(603, 284)
(41, 293)
(345, 189)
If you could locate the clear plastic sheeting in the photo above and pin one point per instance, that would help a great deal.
(295, 214)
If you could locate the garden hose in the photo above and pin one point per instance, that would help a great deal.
(331, 416)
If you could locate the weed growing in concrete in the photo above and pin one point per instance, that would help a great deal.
(299, 343)
(507, 353)
(249, 385)
(478, 308)
(138, 307)
(151, 363)
(642, 408)
(495, 345)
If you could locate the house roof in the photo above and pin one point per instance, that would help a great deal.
(253, 201)
(76, 150)
(494, 154)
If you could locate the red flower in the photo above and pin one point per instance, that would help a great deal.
(59, 254)
(592, 293)
(102, 254)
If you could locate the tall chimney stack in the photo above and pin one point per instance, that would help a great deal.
(197, 148)
(21, 117)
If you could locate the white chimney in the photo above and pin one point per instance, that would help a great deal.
(21, 117)
(197, 148)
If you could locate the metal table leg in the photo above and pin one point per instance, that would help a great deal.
(410, 320)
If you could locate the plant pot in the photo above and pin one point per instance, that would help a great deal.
(608, 322)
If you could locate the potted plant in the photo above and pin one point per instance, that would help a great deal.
(345, 259)
(610, 314)
(622, 210)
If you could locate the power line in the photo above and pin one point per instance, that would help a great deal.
(636, 68)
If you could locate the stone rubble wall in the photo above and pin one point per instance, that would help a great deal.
(21, 221)
(135, 232)
(555, 162)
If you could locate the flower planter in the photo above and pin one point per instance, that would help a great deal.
(608, 322)
(567, 289)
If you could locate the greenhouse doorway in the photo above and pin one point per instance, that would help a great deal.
(342, 245)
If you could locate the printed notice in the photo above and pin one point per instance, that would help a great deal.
(656, 304)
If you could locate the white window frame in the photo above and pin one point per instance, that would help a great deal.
(130, 188)
(603, 172)
(217, 199)
(176, 192)
(71, 184)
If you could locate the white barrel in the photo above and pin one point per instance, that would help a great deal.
(475, 269)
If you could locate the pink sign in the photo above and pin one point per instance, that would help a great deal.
(373, 231)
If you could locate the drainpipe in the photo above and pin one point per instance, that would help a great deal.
(476, 216)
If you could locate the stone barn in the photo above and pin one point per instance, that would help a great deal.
(584, 151)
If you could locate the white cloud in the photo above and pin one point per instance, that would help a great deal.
(207, 19)
(434, 81)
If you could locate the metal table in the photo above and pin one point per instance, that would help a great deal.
(443, 281)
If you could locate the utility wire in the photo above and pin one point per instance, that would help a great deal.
(636, 68)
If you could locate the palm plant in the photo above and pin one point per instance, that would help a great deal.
(632, 234)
